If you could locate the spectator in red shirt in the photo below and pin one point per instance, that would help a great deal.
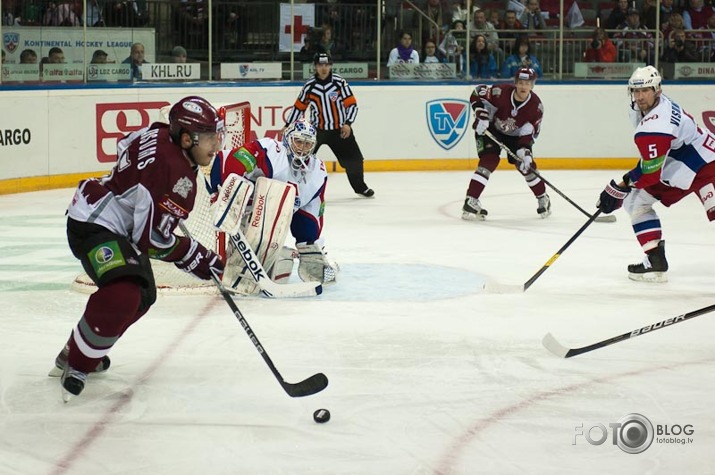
(601, 49)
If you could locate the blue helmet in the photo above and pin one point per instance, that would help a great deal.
(299, 140)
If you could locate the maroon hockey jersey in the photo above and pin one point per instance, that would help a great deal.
(151, 187)
(506, 115)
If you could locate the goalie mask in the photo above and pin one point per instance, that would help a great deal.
(299, 140)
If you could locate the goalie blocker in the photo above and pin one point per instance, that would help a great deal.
(265, 228)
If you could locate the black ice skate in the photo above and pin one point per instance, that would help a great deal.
(544, 208)
(653, 268)
(472, 210)
(369, 193)
(72, 382)
(61, 363)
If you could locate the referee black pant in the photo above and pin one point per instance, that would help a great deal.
(348, 154)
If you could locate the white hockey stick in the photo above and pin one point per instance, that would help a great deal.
(230, 207)
(259, 274)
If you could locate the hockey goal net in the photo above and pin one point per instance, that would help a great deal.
(168, 278)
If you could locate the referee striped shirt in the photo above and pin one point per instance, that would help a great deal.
(331, 101)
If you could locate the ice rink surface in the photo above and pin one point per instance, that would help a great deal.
(429, 373)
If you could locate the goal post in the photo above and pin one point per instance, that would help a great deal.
(168, 278)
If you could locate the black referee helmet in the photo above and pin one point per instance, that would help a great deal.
(322, 58)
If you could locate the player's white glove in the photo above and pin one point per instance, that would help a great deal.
(481, 120)
(526, 158)
(314, 264)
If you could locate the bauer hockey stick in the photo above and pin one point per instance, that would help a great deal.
(593, 218)
(600, 219)
(307, 387)
(551, 344)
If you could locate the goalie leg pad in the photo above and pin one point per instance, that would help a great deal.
(266, 230)
(283, 266)
(314, 264)
(233, 197)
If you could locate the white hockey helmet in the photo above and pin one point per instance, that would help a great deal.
(299, 140)
(644, 77)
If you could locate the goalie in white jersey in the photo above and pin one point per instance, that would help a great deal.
(677, 159)
(289, 193)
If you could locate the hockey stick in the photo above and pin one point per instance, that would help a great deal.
(593, 218)
(559, 350)
(312, 385)
(259, 274)
(601, 219)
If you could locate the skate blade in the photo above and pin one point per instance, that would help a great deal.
(66, 395)
(473, 217)
(55, 372)
(654, 277)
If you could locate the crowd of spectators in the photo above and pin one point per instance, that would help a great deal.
(436, 29)
(634, 41)
(111, 13)
(622, 31)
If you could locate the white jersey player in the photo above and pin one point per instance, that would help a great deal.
(291, 167)
(677, 159)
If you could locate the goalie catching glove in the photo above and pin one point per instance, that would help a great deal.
(314, 264)
(199, 261)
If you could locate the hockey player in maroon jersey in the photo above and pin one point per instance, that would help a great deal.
(677, 159)
(117, 222)
(512, 113)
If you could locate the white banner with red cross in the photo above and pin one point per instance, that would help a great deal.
(293, 32)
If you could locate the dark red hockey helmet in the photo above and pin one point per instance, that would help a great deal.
(195, 115)
(525, 74)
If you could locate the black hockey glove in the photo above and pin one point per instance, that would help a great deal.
(612, 197)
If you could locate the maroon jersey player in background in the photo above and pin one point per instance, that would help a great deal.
(116, 223)
(512, 113)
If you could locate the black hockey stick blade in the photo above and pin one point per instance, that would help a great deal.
(551, 344)
(308, 387)
(548, 263)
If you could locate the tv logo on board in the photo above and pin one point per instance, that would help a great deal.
(447, 121)
(115, 120)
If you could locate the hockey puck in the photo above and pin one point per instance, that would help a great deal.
(321, 416)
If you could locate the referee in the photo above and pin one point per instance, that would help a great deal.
(333, 109)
